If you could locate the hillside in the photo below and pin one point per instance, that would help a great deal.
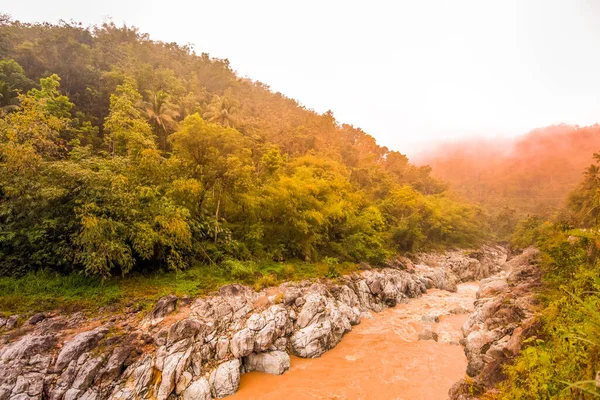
(121, 153)
(531, 174)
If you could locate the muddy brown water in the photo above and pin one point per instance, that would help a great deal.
(381, 358)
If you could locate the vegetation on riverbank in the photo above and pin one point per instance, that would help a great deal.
(47, 290)
(562, 356)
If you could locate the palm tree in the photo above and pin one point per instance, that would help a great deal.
(592, 175)
(221, 110)
(161, 115)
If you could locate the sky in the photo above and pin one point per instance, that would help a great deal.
(411, 73)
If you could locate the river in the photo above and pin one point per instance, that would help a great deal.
(382, 358)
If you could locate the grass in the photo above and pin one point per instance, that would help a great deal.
(46, 290)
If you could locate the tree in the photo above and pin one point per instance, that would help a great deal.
(221, 110)
(128, 131)
(12, 82)
(42, 121)
(36, 215)
(8, 98)
(584, 202)
(217, 157)
(161, 115)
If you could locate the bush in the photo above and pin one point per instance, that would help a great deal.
(287, 271)
(332, 267)
(239, 270)
(264, 282)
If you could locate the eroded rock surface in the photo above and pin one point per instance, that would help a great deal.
(199, 351)
(494, 331)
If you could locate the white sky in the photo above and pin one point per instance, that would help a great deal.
(408, 72)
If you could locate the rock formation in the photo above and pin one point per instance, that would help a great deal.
(494, 331)
(199, 352)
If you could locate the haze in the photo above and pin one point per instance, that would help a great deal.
(410, 74)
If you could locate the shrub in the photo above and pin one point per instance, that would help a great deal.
(265, 281)
(332, 267)
(287, 271)
(239, 270)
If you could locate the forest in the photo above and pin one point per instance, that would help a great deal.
(119, 153)
(514, 178)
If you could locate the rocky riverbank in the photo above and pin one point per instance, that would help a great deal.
(198, 349)
(502, 318)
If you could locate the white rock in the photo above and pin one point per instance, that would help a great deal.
(225, 379)
(198, 390)
(272, 362)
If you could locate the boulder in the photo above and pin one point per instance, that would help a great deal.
(164, 306)
(428, 334)
(36, 318)
(312, 341)
(272, 362)
(26, 347)
(198, 390)
(242, 343)
(172, 370)
(222, 348)
(114, 365)
(183, 382)
(81, 343)
(314, 305)
(225, 379)
(11, 322)
(264, 338)
(184, 329)
(87, 373)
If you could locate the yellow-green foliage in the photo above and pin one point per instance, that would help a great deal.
(265, 281)
(161, 159)
(565, 351)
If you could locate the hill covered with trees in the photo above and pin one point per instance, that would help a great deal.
(119, 153)
(532, 174)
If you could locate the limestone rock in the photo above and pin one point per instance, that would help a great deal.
(273, 362)
(428, 334)
(312, 341)
(198, 390)
(242, 343)
(225, 379)
(314, 305)
(222, 347)
(35, 318)
(78, 345)
(87, 372)
(26, 347)
(184, 329)
(11, 322)
(264, 338)
(164, 306)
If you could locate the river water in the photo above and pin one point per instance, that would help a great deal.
(382, 358)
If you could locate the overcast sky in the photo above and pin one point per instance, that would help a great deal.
(407, 72)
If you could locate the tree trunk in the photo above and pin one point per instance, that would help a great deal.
(217, 216)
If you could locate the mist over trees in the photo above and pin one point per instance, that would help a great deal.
(533, 174)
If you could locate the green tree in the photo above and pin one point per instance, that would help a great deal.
(161, 115)
(584, 201)
(216, 156)
(128, 131)
(35, 214)
(221, 110)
